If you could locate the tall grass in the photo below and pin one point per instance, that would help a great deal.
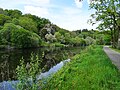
(89, 70)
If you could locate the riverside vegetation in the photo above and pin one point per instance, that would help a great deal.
(27, 74)
(89, 70)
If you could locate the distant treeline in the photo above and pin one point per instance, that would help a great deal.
(24, 31)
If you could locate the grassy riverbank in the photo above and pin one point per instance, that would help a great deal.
(89, 70)
(117, 50)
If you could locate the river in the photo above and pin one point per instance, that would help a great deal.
(9, 59)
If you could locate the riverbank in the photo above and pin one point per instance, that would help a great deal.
(89, 70)
(8, 47)
(117, 50)
(49, 56)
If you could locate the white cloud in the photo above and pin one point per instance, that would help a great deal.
(77, 22)
(72, 20)
(14, 3)
(39, 11)
(78, 3)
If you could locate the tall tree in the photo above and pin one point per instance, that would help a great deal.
(13, 13)
(107, 11)
(28, 24)
(4, 19)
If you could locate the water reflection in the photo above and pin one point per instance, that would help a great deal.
(53, 70)
(49, 57)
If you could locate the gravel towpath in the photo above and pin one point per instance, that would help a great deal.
(113, 55)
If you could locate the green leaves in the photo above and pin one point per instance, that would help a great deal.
(13, 13)
(28, 24)
(107, 12)
(27, 74)
(18, 37)
(4, 19)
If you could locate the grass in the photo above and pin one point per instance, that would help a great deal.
(117, 50)
(89, 70)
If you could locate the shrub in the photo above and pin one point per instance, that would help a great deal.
(89, 41)
(23, 38)
(27, 74)
(77, 41)
(4, 19)
(17, 36)
(5, 33)
(28, 24)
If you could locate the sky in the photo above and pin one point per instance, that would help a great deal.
(67, 14)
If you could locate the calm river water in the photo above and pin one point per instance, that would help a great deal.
(9, 59)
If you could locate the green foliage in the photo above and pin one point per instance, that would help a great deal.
(89, 70)
(15, 21)
(58, 36)
(1, 27)
(104, 38)
(27, 74)
(108, 13)
(85, 34)
(18, 37)
(1, 11)
(21, 32)
(13, 13)
(4, 19)
(89, 41)
(107, 39)
(41, 22)
(28, 24)
(6, 32)
(67, 38)
(117, 50)
(77, 41)
(100, 39)
(23, 39)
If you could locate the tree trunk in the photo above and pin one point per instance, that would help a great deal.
(112, 37)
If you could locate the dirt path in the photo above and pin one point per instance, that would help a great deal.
(113, 55)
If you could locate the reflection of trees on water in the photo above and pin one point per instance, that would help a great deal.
(49, 57)
(5, 70)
